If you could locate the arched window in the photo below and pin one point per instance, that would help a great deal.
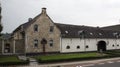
(68, 47)
(35, 27)
(78, 47)
(35, 43)
(51, 43)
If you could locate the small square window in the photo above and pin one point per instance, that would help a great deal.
(36, 28)
(87, 46)
(51, 28)
(113, 45)
(35, 43)
(51, 43)
(117, 44)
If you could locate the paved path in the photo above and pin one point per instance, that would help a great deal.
(101, 64)
(80, 63)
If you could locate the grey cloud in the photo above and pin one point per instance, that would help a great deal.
(81, 12)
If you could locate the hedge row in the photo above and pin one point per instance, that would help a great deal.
(14, 63)
(76, 59)
(12, 60)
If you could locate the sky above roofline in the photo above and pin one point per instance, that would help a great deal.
(78, 12)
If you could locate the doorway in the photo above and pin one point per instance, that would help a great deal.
(101, 46)
(7, 48)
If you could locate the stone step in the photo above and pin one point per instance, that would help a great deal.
(22, 57)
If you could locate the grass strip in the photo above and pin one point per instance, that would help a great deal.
(12, 60)
(68, 57)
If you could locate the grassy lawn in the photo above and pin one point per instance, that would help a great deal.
(11, 60)
(77, 56)
(68, 57)
(113, 52)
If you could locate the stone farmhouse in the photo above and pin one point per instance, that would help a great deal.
(42, 35)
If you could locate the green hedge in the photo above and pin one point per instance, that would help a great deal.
(14, 63)
(12, 60)
(73, 57)
(67, 57)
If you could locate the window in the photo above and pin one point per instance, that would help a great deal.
(100, 33)
(81, 32)
(23, 34)
(35, 28)
(51, 43)
(68, 47)
(51, 28)
(35, 43)
(87, 46)
(66, 32)
(113, 45)
(117, 44)
(91, 33)
(78, 47)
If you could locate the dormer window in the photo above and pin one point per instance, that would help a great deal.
(100, 33)
(51, 28)
(91, 33)
(66, 32)
(81, 32)
(115, 33)
(36, 28)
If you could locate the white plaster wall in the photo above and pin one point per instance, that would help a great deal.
(118, 43)
(92, 44)
(73, 43)
(110, 44)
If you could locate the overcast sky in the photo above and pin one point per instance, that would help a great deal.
(77, 12)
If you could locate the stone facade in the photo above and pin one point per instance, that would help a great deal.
(12, 46)
(44, 23)
(19, 46)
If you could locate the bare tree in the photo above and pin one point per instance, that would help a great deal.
(0, 19)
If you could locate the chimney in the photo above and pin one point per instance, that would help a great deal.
(44, 10)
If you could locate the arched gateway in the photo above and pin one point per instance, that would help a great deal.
(101, 46)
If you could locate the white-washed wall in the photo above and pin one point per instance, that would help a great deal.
(73, 43)
(118, 44)
(111, 44)
(91, 43)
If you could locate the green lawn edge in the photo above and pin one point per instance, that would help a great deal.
(76, 57)
(12, 60)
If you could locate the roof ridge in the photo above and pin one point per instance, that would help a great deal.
(74, 25)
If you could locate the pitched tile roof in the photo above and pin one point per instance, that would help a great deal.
(113, 27)
(75, 31)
